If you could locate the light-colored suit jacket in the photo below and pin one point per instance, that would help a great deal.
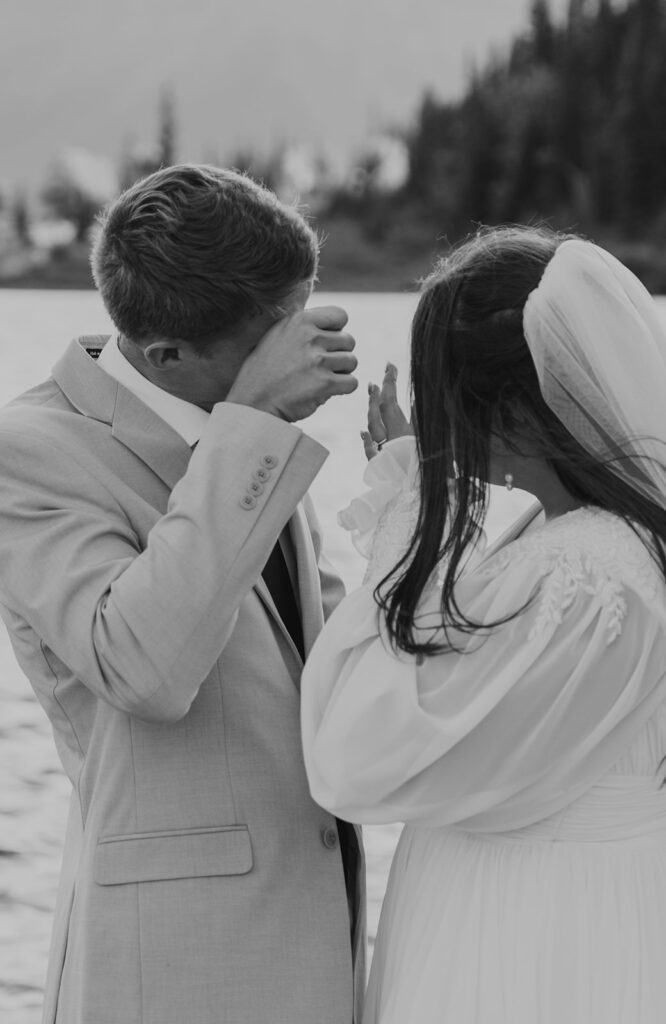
(200, 884)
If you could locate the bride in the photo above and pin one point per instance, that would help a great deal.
(508, 704)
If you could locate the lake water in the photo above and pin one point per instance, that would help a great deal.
(35, 327)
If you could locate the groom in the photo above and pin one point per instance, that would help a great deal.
(161, 580)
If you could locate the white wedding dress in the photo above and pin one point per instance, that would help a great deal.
(529, 884)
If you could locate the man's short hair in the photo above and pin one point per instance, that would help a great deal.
(192, 251)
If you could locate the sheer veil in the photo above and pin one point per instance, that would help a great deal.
(599, 346)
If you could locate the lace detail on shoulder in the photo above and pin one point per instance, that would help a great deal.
(586, 550)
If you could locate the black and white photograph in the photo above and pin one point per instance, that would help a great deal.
(333, 512)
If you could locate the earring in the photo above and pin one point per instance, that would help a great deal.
(508, 481)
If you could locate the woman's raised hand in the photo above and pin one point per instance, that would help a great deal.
(386, 420)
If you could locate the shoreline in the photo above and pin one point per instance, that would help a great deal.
(351, 260)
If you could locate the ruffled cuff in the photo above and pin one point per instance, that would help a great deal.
(392, 472)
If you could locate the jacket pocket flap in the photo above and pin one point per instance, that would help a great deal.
(181, 853)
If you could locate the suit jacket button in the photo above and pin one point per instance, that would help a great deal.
(261, 474)
(269, 461)
(248, 501)
(255, 487)
(329, 837)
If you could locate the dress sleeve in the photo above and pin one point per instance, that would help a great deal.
(507, 731)
(382, 518)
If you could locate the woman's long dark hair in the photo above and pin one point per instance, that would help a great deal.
(472, 377)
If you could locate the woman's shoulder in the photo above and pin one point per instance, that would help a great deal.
(587, 537)
(589, 551)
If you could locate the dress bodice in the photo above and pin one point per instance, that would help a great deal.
(508, 726)
(647, 751)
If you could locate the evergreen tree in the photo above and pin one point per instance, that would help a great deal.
(167, 129)
(637, 193)
(569, 126)
(20, 218)
(481, 153)
(435, 178)
(543, 32)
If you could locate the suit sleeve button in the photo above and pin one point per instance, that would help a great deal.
(261, 474)
(255, 487)
(329, 838)
(248, 501)
(269, 461)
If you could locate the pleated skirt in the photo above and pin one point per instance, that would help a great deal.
(560, 923)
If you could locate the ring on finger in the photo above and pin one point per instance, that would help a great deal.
(380, 444)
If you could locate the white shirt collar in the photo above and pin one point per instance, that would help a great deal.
(185, 418)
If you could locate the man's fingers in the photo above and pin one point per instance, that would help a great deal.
(340, 362)
(327, 318)
(302, 361)
(375, 421)
(334, 341)
(340, 384)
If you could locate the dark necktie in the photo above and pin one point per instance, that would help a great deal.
(277, 579)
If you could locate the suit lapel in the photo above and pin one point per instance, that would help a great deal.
(264, 594)
(309, 588)
(99, 396)
(150, 438)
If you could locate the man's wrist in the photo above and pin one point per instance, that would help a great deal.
(259, 402)
(259, 408)
(248, 419)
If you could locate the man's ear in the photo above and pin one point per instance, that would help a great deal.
(163, 355)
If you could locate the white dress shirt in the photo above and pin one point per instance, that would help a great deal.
(185, 418)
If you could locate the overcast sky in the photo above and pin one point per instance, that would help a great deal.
(244, 73)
